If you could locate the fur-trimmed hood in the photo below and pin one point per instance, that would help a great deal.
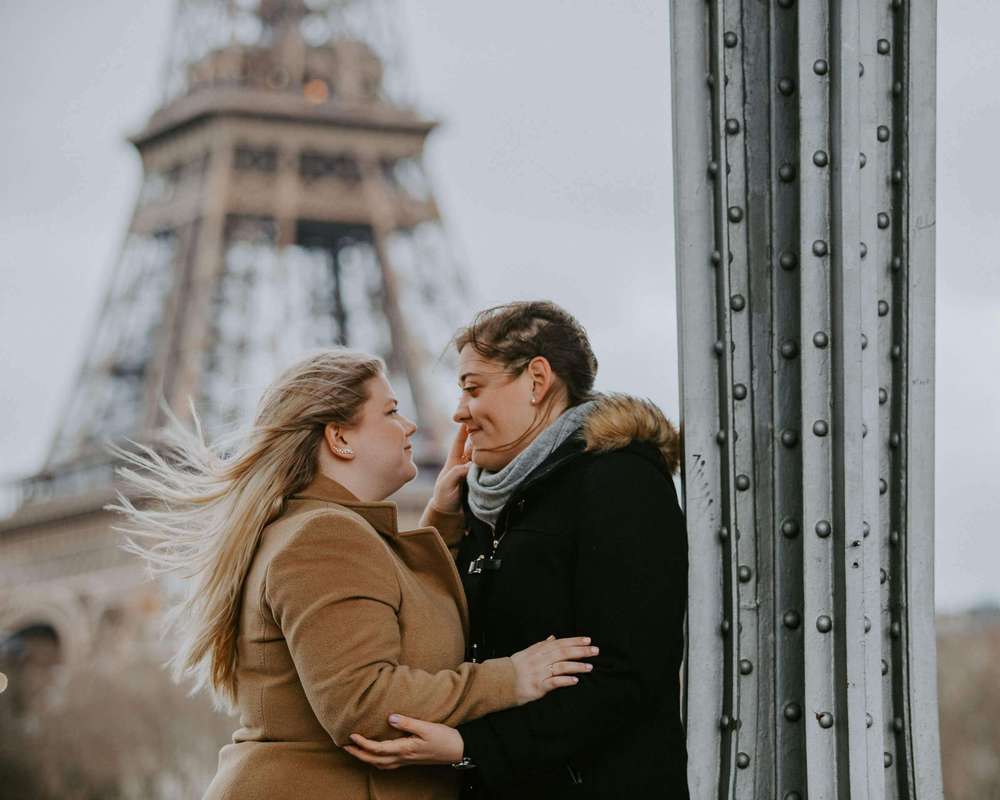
(619, 419)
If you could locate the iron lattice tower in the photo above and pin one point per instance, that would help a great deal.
(284, 206)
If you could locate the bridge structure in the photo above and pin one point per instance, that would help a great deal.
(804, 199)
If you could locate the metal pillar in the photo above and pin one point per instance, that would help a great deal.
(804, 185)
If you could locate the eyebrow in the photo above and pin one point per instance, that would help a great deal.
(461, 378)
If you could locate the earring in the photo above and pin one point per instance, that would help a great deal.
(532, 399)
(344, 451)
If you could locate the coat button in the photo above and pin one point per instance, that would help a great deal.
(520, 505)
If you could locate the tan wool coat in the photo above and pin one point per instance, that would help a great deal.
(346, 619)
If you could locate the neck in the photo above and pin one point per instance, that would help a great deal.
(352, 479)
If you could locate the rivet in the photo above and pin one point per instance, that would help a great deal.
(786, 3)
(894, 630)
(720, 437)
(820, 158)
(883, 396)
(896, 351)
(744, 574)
(790, 528)
(883, 47)
(897, 4)
(894, 440)
(710, 79)
(820, 248)
(883, 220)
(883, 487)
(746, 666)
(864, 249)
(723, 533)
(789, 349)
(742, 760)
(820, 427)
(882, 133)
(865, 529)
(883, 308)
(735, 214)
(893, 537)
(737, 302)
(824, 624)
(887, 759)
(786, 86)
(742, 483)
(868, 720)
(789, 438)
(719, 348)
(864, 433)
(740, 391)
(788, 260)
(885, 667)
(825, 719)
(730, 39)
(823, 529)
(861, 70)
(868, 624)
(897, 176)
(792, 796)
(786, 172)
(713, 168)
(897, 263)
(716, 258)
(820, 67)
(725, 627)
(791, 619)
(897, 88)
(883, 576)
(862, 160)
(897, 724)
(864, 342)
(732, 126)
(820, 339)
(793, 712)
(725, 722)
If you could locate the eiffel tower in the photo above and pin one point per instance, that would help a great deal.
(284, 206)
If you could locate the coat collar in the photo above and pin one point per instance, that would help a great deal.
(382, 516)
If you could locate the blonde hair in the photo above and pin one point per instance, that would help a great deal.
(209, 507)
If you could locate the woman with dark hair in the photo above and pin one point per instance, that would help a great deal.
(572, 524)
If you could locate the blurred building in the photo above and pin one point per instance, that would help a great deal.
(284, 206)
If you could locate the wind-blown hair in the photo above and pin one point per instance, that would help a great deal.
(198, 511)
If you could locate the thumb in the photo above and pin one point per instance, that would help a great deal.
(408, 724)
(551, 636)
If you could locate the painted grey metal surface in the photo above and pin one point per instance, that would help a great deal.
(804, 194)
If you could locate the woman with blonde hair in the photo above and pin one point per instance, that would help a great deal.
(308, 609)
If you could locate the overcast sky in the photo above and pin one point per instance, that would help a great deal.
(553, 168)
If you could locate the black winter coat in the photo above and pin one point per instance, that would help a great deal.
(592, 543)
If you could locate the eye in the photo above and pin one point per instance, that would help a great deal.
(394, 411)
(469, 389)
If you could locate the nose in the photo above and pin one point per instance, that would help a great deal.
(462, 411)
(411, 427)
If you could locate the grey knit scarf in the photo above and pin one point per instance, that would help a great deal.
(490, 491)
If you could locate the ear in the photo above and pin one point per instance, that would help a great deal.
(333, 435)
(541, 377)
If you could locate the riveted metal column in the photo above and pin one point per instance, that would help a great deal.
(804, 186)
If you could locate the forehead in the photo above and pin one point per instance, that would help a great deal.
(470, 361)
(379, 389)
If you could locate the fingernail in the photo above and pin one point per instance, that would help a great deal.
(586, 640)
(576, 680)
(394, 719)
(590, 667)
(595, 650)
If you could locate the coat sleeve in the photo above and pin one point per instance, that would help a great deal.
(334, 593)
(450, 525)
(630, 594)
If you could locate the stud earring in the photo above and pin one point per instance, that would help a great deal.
(344, 451)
